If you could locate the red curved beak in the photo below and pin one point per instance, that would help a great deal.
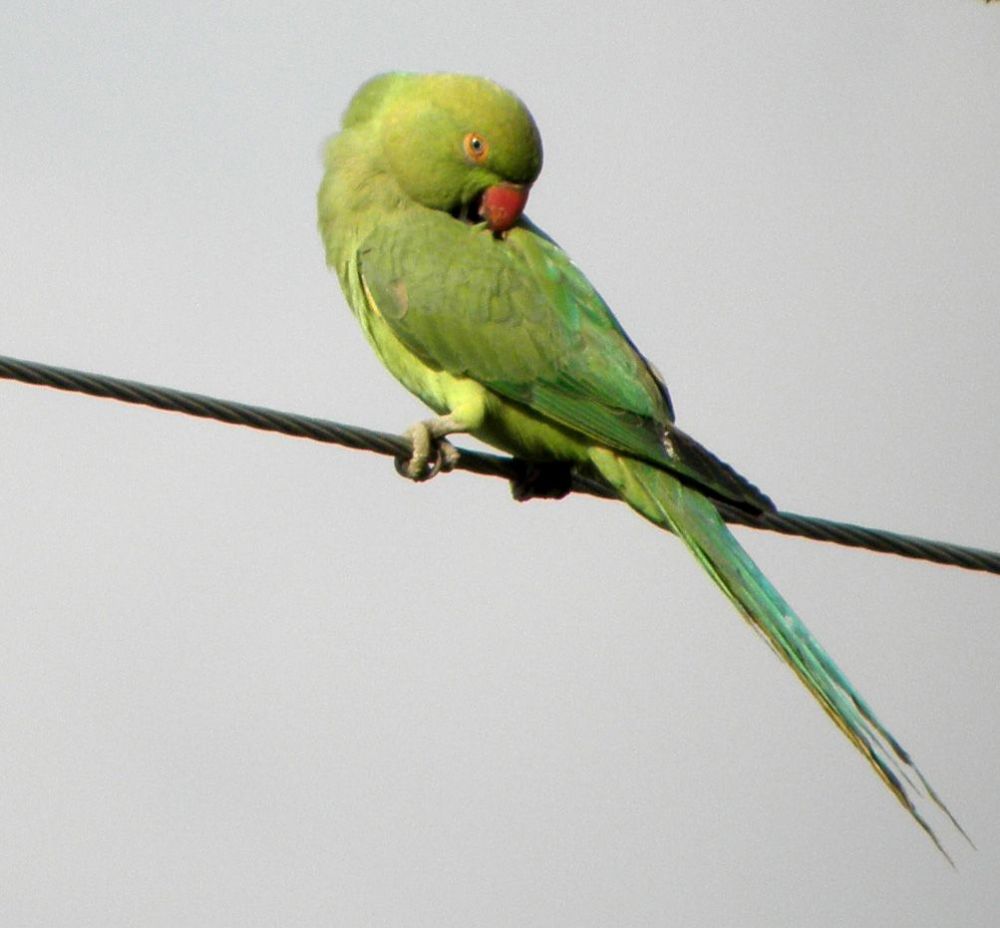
(501, 205)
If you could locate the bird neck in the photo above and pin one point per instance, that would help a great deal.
(357, 190)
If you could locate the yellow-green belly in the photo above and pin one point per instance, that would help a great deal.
(504, 423)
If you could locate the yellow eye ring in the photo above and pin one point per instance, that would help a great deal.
(476, 147)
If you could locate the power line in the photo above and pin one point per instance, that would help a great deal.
(272, 420)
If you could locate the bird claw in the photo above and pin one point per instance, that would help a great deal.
(429, 457)
(541, 480)
(447, 455)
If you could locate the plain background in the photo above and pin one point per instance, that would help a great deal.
(247, 680)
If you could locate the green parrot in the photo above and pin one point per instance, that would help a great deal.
(481, 315)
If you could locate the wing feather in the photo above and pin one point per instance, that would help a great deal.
(517, 316)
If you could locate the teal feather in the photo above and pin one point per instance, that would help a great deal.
(666, 501)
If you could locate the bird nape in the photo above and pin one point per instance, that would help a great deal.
(482, 316)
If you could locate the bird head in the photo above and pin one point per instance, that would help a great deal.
(454, 143)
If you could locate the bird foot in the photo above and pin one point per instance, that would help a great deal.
(541, 480)
(430, 456)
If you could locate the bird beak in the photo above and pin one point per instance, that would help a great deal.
(501, 205)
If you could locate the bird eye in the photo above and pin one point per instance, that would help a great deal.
(476, 147)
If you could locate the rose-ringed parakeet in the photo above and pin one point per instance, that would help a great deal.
(484, 317)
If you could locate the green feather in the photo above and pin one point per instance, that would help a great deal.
(516, 316)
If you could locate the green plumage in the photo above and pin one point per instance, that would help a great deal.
(502, 336)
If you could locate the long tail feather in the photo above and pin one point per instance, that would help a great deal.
(665, 501)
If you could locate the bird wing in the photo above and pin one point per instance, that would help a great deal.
(517, 316)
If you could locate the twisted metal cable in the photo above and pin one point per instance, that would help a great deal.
(271, 420)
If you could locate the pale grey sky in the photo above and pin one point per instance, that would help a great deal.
(246, 680)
